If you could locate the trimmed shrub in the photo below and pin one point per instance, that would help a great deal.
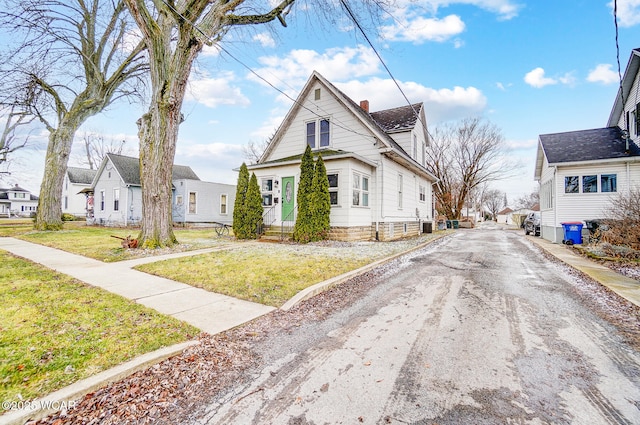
(239, 209)
(253, 208)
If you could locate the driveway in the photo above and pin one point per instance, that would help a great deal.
(479, 329)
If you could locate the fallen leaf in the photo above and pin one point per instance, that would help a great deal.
(367, 363)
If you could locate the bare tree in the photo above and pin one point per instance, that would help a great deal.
(253, 151)
(175, 32)
(528, 201)
(71, 62)
(494, 201)
(96, 148)
(9, 141)
(463, 156)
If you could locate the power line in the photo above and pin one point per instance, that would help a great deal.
(615, 22)
(357, 24)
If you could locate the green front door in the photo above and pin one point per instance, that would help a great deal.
(288, 198)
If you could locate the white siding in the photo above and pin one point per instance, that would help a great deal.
(630, 106)
(108, 180)
(411, 182)
(585, 206)
(207, 201)
(346, 132)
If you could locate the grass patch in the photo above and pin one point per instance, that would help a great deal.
(54, 330)
(15, 226)
(96, 242)
(268, 276)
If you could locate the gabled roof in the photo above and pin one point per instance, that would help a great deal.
(14, 188)
(587, 145)
(629, 77)
(81, 175)
(505, 211)
(129, 169)
(388, 121)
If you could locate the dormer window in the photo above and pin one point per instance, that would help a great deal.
(318, 131)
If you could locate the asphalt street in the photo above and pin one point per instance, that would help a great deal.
(478, 329)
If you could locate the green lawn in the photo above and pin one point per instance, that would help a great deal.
(267, 275)
(55, 330)
(96, 242)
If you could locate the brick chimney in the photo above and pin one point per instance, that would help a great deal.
(364, 104)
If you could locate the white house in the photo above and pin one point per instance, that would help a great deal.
(18, 202)
(117, 192)
(581, 172)
(196, 201)
(74, 191)
(379, 187)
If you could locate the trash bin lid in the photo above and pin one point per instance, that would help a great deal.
(572, 222)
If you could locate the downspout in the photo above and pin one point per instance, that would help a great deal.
(555, 202)
(126, 205)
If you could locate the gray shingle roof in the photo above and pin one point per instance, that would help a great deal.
(397, 119)
(129, 169)
(586, 145)
(81, 175)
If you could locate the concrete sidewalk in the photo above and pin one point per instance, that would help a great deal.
(625, 287)
(205, 310)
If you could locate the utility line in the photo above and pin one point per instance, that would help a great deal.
(615, 22)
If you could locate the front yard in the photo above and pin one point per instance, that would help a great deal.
(55, 330)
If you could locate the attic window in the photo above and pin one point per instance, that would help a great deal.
(318, 130)
(317, 94)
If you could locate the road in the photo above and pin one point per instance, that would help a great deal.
(480, 329)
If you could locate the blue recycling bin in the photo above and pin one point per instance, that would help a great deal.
(572, 233)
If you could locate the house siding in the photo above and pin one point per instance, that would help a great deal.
(208, 196)
(109, 180)
(582, 206)
(630, 106)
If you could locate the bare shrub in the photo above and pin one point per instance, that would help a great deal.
(622, 228)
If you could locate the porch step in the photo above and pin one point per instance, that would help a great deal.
(275, 234)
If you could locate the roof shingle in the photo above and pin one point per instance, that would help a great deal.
(587, 145)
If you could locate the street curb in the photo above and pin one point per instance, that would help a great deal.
(67, 396)
(316, 289)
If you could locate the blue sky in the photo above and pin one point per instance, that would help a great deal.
(529, 66)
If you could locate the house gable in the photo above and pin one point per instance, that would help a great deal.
(625, 115)
(352, 128)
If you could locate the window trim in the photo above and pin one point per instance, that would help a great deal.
(318, 133)
(335, 189)
(116, 199)
(226, 204)
(422, 193)
(267, 193)
(102, 199)
(358, 188)
(195, 203)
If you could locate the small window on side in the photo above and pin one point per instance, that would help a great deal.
(571, 184)
(589, 184)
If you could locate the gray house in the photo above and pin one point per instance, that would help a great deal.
(117, 195)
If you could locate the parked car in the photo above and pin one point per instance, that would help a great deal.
(532, 223)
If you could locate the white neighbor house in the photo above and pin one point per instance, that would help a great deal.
(378, 184)
(74, 191)
(117, 195)
(581, 172)
(17, 201)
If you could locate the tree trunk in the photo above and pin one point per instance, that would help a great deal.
(49, 214)
(158, 133)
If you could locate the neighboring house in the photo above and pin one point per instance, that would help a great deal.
(504, 216)
(117, 194)
(581, 172)
(18, 202)
(378, 185)
(75, 199)
(195, 201)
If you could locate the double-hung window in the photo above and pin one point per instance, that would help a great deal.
(192, 203)
(102, 197)
(423, 193)
(116, 199)
(318, 133)
(266, 189)
(608, 183)
(360, 190)
(223, 203)
(333, 188)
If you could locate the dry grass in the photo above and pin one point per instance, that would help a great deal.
(267, 275)
(96, 242)
(55, 330)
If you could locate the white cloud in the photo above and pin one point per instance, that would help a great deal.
(603, 74)
(440, 104)
(265, 39)
(213, 92)
(536, 78)
(210, 51)
(211, 161)
(335, 64)
(417, 29)
(628, 12)
(505, 9)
